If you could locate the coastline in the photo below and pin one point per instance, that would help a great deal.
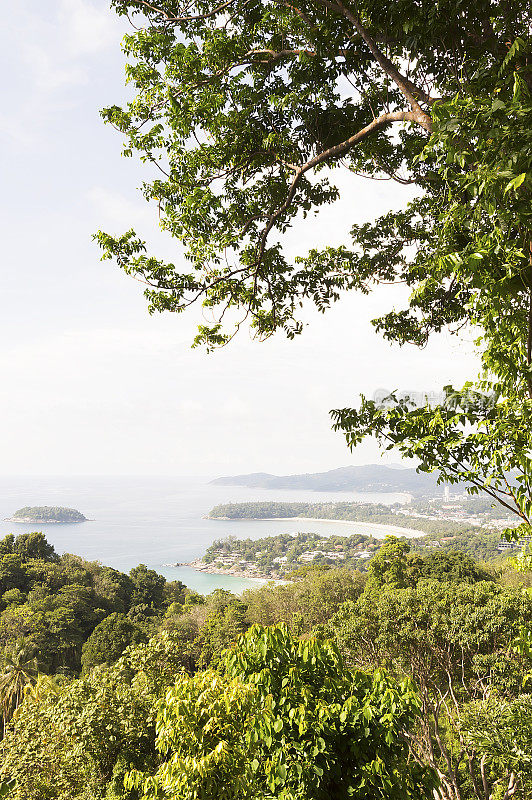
(201, 566)
(28, 521)
(411, 533)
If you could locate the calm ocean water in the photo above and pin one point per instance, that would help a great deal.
(158, 520)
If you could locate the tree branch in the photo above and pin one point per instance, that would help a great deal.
(332, 152)
(275, 56)
(513, 785)
(172, 19)
(279, 54)
(410, 91)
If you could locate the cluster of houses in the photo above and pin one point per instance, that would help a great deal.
(310, 555)
(505, 545)
(233, 560)
(236, 559)
(455, 511)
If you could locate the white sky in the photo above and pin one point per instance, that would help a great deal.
(91, 384)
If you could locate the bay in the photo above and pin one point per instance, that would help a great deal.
(160, 520)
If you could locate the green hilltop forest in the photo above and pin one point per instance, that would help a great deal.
(411, 680)
(350, 512)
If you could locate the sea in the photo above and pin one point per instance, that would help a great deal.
(159, 521)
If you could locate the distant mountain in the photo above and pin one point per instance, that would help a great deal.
(368, 478)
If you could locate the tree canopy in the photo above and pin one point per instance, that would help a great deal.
(243, 110)
(319, 705)
(108, 640)
(285, 720)
(246, 109)
(243, 104)
(454, 640)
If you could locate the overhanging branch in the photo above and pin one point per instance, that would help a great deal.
(412, 93)
(331, 153)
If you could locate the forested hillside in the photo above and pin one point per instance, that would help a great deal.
(350, 512)
(63, 607)
(280, 555)
(300, 690)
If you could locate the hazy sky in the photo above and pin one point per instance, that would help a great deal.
(90, 382)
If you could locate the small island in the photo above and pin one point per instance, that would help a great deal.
(48, 514)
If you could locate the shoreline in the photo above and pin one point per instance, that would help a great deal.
(28, 521)
(201, 566)
(411, 533)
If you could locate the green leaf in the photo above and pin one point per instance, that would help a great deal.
(515, 183)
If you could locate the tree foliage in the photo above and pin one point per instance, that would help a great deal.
(247, 108)
(242, 106)
(454, 639)
(55, 603)
(108, 641)
(285, 720)
(310, 599)
(78, 744)
(214, 704)
(19, 672)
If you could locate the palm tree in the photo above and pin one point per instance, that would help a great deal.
(43, 686)
(19, 670)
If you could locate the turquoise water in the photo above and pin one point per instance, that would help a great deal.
(158, 521)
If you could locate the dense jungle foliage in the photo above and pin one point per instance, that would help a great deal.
(63, 607)
(339, 683)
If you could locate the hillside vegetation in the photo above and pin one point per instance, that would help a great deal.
(350, 512)
(60, 606)
(280, 555)
(409, 681)
(126, 687)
